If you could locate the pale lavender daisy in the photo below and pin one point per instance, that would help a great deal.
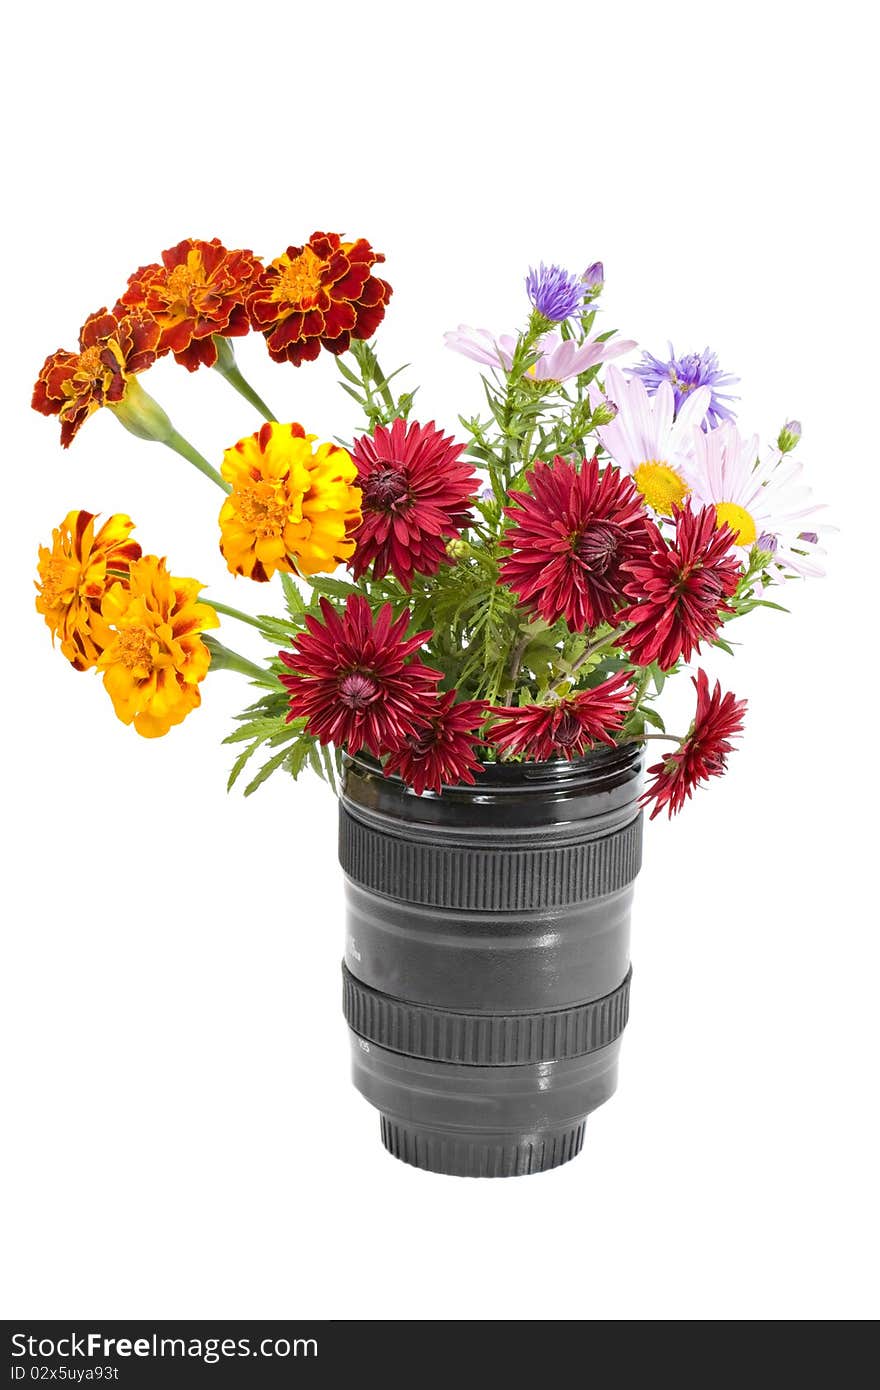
(764, 501)
(687, 374)
(560, 359)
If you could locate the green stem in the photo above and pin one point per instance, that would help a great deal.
(244, 388)
(643, 738)
(183, 447)
(228, 368)
(582, 659)
(515, 663)
(223, 659)
(228, 612)
(384, 389)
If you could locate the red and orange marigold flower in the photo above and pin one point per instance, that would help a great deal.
(198, 290)
(679, 589)
(443, 751)
(292, 507)
(113, 347)
(703, 754)
(572, 538)
(319, 295)
(153, 656)
(74, 575)
(354, 678)
(567, 728)
(416, 491)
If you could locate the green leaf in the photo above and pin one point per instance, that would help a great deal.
(651, 717)
(240, 762)
(334, 588)
(266, 771)
(296, 605)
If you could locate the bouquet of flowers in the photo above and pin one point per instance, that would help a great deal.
(518, 588)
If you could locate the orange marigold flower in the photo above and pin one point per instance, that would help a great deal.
(154, 656)
(291, 507)
(113, 347)
(319, 295)
(200, 289)
(75, 573)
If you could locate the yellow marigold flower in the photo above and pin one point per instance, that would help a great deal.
(291, 508)
(75, 573)
(154, 657)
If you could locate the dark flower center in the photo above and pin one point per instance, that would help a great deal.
(568, 730)
(597, 546)
(357, 690)
(422, 743)
(384, 488)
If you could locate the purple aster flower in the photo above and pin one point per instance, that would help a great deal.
(553, 292)
(686, 374)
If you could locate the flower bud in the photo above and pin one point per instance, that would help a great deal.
(594, 278)
(140, 414)
(457, 549)
(789, 436)
(605, 412)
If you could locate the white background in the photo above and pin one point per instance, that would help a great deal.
(182, 1138)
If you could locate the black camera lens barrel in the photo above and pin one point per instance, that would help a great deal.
(486, 975)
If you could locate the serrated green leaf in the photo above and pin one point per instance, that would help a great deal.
(266, 771)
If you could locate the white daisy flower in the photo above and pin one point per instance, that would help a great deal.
(764, 502)
(648, 442)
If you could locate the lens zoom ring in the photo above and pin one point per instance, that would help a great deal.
(487, 879)
(481, 1040)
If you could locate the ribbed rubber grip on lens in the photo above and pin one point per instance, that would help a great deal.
(481, 1158)
(488, 879)
(483, 1040)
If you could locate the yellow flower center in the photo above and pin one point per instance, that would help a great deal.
(263, 510)
(55, 581)
(660, 485)
(740, 522)
(134, 649)
(90, 364)
(180, 284)
(301, 278)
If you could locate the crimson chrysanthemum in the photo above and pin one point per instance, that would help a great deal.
(442, 752)
(354, 680)
(415, 491)
(567, 728)
(319, 295)
(679, 589)
(703, 754)
(572, 537)
(200, 289)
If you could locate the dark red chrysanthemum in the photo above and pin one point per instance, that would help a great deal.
(442, 752)
(571, 540)
(354, 682)
(679, 589)
(567, 728)
(415, 492)
(319, 295)
(703, 754)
